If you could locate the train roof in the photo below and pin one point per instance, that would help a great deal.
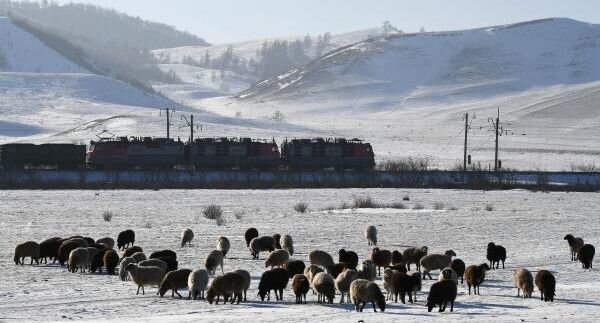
(244, 140)
(319, 140)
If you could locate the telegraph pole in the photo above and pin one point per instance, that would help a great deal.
(190, 123)
(497, 135)
(466, 134)
(169, 111)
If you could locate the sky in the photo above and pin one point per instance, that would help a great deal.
(223, 21)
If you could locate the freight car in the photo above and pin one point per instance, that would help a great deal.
(319, 153)
(233, 153)
(50, 156)
(135, 152)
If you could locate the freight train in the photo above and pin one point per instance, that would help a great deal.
(123, 153)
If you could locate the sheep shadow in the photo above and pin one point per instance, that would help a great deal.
(579, 302)
(485, 306)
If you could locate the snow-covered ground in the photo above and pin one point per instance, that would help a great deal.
(530, 225)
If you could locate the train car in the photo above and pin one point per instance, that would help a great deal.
(319, 153)
(44, 156)
(233, 153)
(136, 153)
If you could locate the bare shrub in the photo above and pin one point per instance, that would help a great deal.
(406, 198)
(438, 206)
(489, 207)
(107, 216)
(364, 202)
(220, 220)
(453, 208)
(418, 206)
(413, 164)
(212, 212)
(148, 225)
(301, 207)
(584, 167)
(396, 205)
(238, 214)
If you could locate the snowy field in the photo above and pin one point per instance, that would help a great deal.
(530, 225)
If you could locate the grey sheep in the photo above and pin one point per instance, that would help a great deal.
(264, 243)
(153, 263)
(324, 286)
(523, 280)
(277, 258)
(138, 256)
(247, 280)
(367, 271)
(343, 281)
(364, 291)
(311, 271)
(27, 249)
(186, 237)
(436, 262)
(574, 245)
(371, 235)
(81, 241)
(144, 276)
(223, 245)
(321, 258)
(78, 260)
(197, 282)
(212, 261)
(387, 282)
(122, 271)
(287, 243)
(448, 274)
(414, 255)
(173, 281)
(108, 242)
(226, 285)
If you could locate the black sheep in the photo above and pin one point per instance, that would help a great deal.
(459, 267)
(274, 279)
(399, 267)
(164, 253)
(300, 286)
(349, 257)
(336, 269)
(294, 267)
(402, 283)
(98, 260)
(125, 238)
(440, 294)
(381, 258)
(172, 263)
(250, 234)
(546, 283)
(495, 254)
(49, 249)
(277, 238)
(110, 260)
(586, 255)
(64, 250)
(397, 257)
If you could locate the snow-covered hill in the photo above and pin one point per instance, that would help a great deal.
(47, 98)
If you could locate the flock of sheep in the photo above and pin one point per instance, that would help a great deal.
(321, 274)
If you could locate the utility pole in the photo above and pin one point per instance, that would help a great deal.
(466, 134)
(169, 111)
(190, 123)
(497, 135)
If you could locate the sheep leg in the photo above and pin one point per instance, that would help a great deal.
(469, 285)
(451, 306)
(244, 295)
(518, 290)
(138, 290)
(443, 306)
(402, 297)
(429, 275)
(363, 306)
(342, 300)
(374, 308)
(176, 292)
(415, 296)
(356, 306)
(281, 294)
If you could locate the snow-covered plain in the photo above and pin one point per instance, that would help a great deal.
(530, 225)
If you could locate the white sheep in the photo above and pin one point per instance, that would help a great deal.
(186, 237)
(145, 276)
(324, 285)
(435, 262)
(364, 291)
(371, 235)
(523, 281)
(197, 282)
(277, 258)
(321, 258)
(212, 261)
(223, 245)
(343, 281)
(122, 272)
(287, 243)
(367, 270)
(448, 274)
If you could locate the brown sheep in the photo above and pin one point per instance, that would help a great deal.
(546, 283)
(475, 275)
(111, 260)
(300, 286)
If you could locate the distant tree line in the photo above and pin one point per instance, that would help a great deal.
(273, 58)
